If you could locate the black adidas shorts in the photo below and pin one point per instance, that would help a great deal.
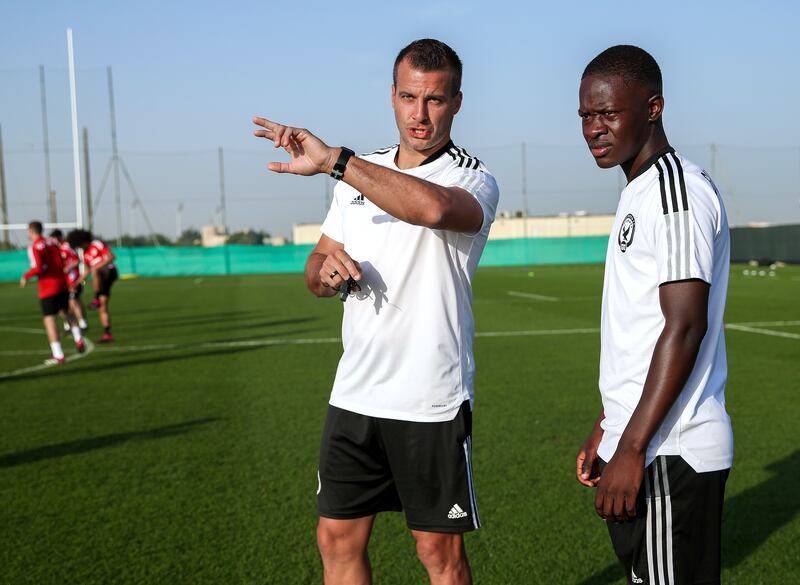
(106, 277)
(675, 538)
(370, 465)
(55, 304)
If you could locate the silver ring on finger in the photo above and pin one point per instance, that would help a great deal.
(334, 274)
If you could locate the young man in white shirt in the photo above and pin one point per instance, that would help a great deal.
(662, 447)
(401, 243)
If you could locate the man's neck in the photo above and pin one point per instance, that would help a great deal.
(408, 158)
(657, 143)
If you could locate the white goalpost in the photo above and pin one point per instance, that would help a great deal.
(7, 228)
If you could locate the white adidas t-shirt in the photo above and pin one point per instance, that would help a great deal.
(670, 226)
(407, 335)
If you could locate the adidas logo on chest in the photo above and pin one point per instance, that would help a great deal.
(358, 200)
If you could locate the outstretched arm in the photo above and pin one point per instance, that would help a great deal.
(685, 308)
(407, 198)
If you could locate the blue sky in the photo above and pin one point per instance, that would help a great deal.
(189, 75)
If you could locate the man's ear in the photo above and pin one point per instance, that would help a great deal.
(655, 106)
(459, 97)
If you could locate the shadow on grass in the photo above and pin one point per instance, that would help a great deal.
(85, 445)
(749, 518)
(62, 371)
(272, 323)
(610, 575)
(192, 320)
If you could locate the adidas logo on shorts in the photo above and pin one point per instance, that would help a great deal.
(456, 512)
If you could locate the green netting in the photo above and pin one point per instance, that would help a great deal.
(779, 242)
(272, 259)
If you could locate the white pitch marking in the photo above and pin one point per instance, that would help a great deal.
(72, 358)
(533, 296)
(746, 327)
(767, 324)
(21, 329)
(536, 332)
(762, 331)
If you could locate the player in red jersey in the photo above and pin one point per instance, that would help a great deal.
(98, 261)
(47, 266)
(72, 271)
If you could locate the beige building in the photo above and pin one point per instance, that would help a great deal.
(506, 227)
(212, 236)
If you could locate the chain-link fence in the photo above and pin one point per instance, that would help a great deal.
(167, 190)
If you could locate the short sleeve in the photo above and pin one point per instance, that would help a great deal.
(482, 186)
(333, 225)
(686, 224)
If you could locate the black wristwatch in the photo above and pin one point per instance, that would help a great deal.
(341, 163)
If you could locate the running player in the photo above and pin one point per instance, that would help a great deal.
(409, 224)
(48, 268)
(72, 271)
(661, 449)
(98, 262)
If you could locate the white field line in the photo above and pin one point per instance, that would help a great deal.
(767, 324)
(769, 332)
(21, 329)
(536, 332)
(36, 368)
(532, 296)
(222, 344)
(90, 347)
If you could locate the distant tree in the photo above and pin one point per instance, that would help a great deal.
(248, 237)
(189, 237)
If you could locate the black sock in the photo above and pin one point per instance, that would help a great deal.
(107, 330)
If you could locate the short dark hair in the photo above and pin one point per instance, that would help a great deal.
(430, 55)
(635, 65)
(36, 227)
(78, 237)
(58, 234)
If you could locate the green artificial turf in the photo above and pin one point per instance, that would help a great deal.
(186, 452)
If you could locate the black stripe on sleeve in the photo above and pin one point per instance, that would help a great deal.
(672, 188)
(663, 188)
(681, 182)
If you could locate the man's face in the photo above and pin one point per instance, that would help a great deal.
(424, 107)
(32, 235)
(616, 119)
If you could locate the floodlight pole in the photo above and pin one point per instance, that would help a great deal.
(524, 191)
(87, 175)
(76, 154)
(223, 211)
(178, 223)
(713, 161)
(115, 154)
(50, 194)
(3, 206)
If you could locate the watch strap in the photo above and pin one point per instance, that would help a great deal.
(341, 163)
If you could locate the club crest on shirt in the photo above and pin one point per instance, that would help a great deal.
(626, 230)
